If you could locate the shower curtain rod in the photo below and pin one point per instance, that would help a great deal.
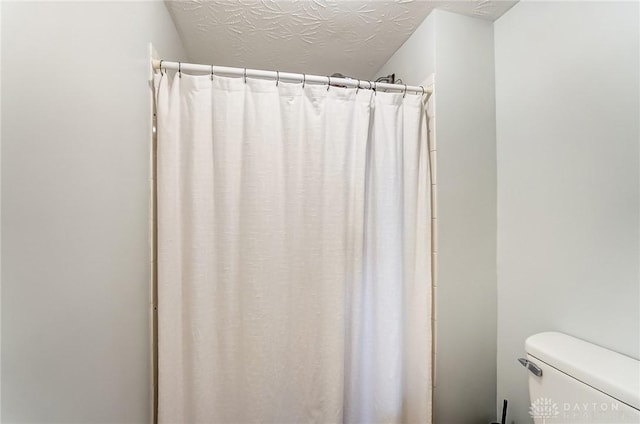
(286, 76)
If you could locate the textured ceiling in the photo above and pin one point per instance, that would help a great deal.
(319, 37)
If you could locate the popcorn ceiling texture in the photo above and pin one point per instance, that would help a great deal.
(321, 37)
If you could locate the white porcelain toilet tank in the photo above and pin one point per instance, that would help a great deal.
(573, 381)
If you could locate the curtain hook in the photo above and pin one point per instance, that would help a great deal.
(245, 75)
(179, 69)
(211, 72)
(328, 83)
(405, 91)
(304, 79)
(277, 77)
(161, 67)
(422, 90)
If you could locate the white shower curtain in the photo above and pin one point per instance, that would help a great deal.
(293, 254)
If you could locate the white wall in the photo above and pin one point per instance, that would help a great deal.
(416, 59)
(466, 295)
(568, 180)
(75, 190)
(0, 214)
(460, 50)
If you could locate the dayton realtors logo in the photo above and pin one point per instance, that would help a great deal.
(544, 409)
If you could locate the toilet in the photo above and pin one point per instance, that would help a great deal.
(573, 381)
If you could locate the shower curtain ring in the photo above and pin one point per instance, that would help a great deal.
(358, 87)
(422, 90)
(328, 83)
(405, 91)
(161, 67)
(277, 77)
(179, 70)
(304, 79)
(245, 75)
(211, 72)
(375, 88)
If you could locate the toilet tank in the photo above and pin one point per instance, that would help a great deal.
(580, 382)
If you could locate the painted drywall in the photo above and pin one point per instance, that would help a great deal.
(466, 293)
(416, 59)
(567, 96)
(0, 216)
(75, 209)
(459, 50)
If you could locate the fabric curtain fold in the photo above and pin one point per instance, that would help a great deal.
(293, 253)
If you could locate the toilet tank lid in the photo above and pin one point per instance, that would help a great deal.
(605, 370)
